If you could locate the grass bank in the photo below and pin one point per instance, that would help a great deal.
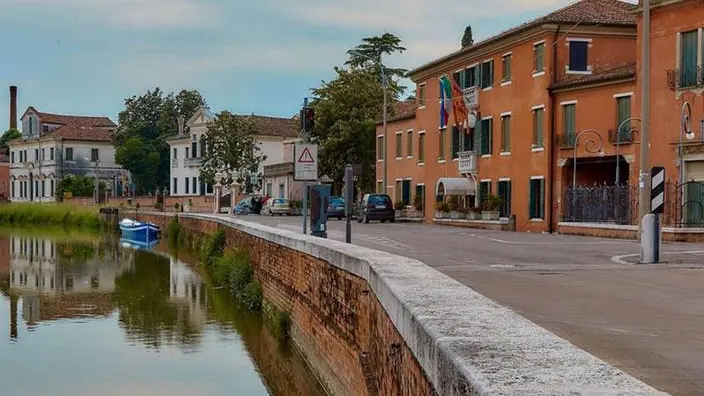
(232, 270)
(49, 214)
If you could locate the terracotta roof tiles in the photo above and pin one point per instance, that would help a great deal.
(624, 72)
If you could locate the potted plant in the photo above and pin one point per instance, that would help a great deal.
(399, 206)
(295, 207)
(418, 206)
(473, 214)
(490, 209)
(460, 214)
(442, 210)
(453, 204)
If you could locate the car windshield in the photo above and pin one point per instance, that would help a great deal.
(280, 201)
(337, 201)
(379, 200)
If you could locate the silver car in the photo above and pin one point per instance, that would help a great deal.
(277, 206)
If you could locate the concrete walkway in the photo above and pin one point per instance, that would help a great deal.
(646, 320)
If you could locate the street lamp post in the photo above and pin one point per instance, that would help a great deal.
(631, 133)
(384, 85)
(685, 132)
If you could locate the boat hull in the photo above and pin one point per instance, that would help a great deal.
(142, 232)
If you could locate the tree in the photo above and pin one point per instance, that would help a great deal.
(151, 118)
(348, 107)
(233, 150)
(78, 186)
(467, 38)
(10, 134)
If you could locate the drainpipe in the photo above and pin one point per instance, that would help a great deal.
(551, 150)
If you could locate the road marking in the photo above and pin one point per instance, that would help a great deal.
(620, 259)
(556, 242)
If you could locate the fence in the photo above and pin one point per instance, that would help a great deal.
(684, 204)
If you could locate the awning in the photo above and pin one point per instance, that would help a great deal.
(455, 186)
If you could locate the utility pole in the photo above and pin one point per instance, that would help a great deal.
(643, 185)
(304, 137)
(385, 88)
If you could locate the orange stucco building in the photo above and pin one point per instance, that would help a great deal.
(539, 85)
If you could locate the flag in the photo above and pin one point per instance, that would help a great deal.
(459, 108)
(445, 100)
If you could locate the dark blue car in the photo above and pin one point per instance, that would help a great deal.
(336, 208)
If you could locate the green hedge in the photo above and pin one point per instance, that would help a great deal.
(49, 214)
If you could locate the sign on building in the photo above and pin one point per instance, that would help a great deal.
(305, 165)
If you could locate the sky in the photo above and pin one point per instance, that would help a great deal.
(86, 56)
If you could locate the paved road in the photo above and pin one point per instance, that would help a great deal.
(647, 320)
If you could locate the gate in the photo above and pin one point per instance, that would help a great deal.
(601, 204)
(690, 204)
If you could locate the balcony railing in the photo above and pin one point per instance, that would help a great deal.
(686, 78)
(468, 162)
(625, 136)
(193, 161)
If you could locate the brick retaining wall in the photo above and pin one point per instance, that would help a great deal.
(373, 323)
(693, 235)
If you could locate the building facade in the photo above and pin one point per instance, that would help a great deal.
(53, 146)
(537, 87)
(278, 177)
(188, 149)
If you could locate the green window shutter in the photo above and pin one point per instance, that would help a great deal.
(569, 122)
(455, 142)
(506, 134)
(531, 200)
(478, 135)
(490, 137)
(508, 198)
(441, 143)
(688, 61)
(421, 148)
(541, 209)
(540, 114)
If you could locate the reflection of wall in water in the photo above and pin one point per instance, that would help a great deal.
(34, 267)
(31, 312)
(187, 288)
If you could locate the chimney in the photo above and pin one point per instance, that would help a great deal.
(181, 122)
(13, 107)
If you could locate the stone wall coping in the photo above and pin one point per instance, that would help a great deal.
(492, 222)
(465, 343)
(607, 226)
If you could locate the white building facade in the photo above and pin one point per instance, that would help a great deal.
(187, 150)
(53, 146)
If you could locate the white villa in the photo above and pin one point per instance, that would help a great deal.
(188, 148)
(54, 145)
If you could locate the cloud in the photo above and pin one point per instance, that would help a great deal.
(130, 14)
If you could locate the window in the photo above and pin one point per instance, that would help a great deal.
(187, 186)
(175, 154)
(487, 126)
(379, 187)
(421, 95)
(36, 189)
(43, 154)
(399, 145)
(45, 128)
(186, 156)
(36, 154)
(94, 155)
(484, 190)
(51, 188)
(578, 56)
(409, 143)
(441, 144)
(380, 148)
(539, 58)
(506, 134)
(538, 115)
(43, 188)
(281, 190)
(51, 154)
(194, 184)
(487, 74)
(471, 77)
(12, 156)
(69, 154)
(506, 68)
(31, 125)
(12, 186)
(268, 190)
(21, 156)
(623, 109)
(421, 147)
(455, 142)
(569, 127)
(194, 148)
(398, 191)
(175, 187)
(467, 143)
(504, 192)
(536, 208)
(458, 77)
(688, 58)
(203, 146)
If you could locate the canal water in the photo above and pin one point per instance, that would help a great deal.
(91, 316)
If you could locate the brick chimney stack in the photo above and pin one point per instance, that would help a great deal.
(13, 107)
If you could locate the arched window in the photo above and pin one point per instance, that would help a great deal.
(31, 125)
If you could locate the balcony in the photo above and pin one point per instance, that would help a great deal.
(174, 163)
(467, 162)
(193, 161)
(682, 79)
(624, 137)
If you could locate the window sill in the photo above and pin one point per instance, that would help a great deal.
(505, 153)
(399, 158)
(409, 157)
(487, 89)
(380, 160)
(580, 72)
(537, 149)
(420, 107)
(485, 156)
(421, 164)
(537, 220)
(539, 74)
(505, 83)
(455, 159)
(442, 161)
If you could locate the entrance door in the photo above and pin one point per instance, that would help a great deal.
(420, 192)
(406, 192)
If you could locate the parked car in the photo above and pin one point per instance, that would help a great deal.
(336, 208)
(277, 206)
(248, 205)
(376, 207)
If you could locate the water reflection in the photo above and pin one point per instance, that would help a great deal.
(117, 315)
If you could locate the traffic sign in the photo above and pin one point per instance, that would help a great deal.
(657, 190)
(305, 166)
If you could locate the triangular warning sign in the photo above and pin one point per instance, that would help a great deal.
(305, 157)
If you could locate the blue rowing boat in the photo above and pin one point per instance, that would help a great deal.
(139, 231)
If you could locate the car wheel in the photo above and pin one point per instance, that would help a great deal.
(366, 219)
(359, 219)
(383, 221)
(339, 219)
(392, 220)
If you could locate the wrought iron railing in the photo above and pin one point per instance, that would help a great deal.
(686, 78)
(624, 136)
(601, 204)
(193, 161)
(566, 140)
(467, 162)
